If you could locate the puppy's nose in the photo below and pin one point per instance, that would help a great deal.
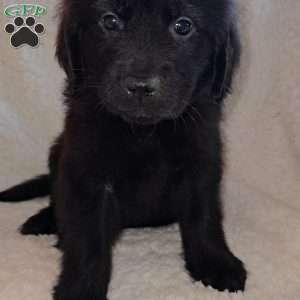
(142, 87)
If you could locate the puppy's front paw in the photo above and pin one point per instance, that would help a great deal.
(222, 272)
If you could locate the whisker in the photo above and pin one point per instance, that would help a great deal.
(200, 117)
(184, 121)
(192, 118)
(99, 106)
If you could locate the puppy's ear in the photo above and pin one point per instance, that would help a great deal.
(67, 47)
(226, 59)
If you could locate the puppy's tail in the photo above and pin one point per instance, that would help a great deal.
(33, 188)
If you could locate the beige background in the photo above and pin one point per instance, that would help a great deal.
(261, 186)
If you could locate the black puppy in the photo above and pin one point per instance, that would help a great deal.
(141, 144)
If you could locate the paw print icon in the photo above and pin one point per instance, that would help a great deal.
(24, 32)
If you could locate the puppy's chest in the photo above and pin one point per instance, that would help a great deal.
(150, 180)
(146, 166)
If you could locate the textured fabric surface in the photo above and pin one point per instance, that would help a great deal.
(261, 184)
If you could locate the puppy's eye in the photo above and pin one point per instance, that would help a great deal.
(111, 22)
(183, 26)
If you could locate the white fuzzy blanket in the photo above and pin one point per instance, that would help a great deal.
(261, 186)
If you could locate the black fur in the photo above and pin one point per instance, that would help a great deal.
(33, 188)
(141, 144)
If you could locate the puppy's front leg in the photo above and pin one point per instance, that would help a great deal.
(88, 222)
(207, 256)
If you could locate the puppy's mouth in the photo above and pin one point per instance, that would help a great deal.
(142, 120)
(137, 116)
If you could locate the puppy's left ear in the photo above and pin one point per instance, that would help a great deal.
(226, 59)
(67, 47)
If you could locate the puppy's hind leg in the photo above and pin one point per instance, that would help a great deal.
(41, 223)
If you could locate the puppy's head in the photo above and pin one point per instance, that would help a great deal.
(147, 60)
